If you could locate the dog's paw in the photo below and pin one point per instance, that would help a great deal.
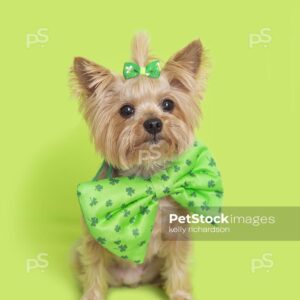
(92, 295)
(181, 295)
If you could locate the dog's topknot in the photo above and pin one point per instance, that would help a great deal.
(140, 48)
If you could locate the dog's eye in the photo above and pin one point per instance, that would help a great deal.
(127, 111)
(167, 105)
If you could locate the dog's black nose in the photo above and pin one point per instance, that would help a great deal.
(153, 126)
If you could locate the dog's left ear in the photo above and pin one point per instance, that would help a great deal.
(183, 69)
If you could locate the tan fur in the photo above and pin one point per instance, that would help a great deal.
(140, 49)
(121, 141)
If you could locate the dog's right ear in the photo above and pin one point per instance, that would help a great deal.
(90, 78)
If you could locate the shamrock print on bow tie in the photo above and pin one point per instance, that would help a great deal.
(120, 212)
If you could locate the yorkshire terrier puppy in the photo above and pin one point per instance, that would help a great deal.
(128, 119)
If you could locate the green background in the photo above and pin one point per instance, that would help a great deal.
(251, 124)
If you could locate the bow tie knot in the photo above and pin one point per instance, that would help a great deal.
(162, 184)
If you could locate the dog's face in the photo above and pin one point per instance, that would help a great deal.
(142, 120)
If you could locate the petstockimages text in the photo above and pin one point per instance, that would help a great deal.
(221, 219)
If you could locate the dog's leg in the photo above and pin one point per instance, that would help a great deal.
(175, 272)
(93, 274)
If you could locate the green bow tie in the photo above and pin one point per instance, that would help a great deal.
(120, 212)
(132, 70)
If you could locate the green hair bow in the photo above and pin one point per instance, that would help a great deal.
(132, 70)
(120, 212)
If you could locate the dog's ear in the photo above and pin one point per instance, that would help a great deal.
(90, 78)
(183, 69)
